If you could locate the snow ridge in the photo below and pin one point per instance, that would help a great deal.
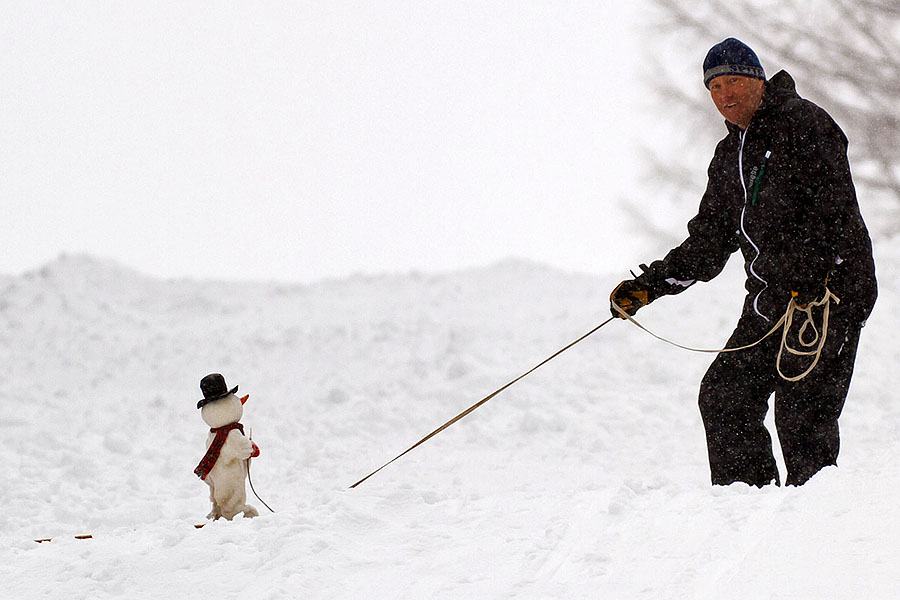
(587, 479)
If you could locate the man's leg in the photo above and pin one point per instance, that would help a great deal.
(734, 398)
(806, 412)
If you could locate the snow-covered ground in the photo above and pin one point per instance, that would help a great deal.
(588, 479)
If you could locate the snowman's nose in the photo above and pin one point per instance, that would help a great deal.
(244, 399)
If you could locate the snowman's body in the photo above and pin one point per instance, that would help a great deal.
(226, 480)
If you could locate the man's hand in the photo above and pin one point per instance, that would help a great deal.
(629, 296)
(807, 294)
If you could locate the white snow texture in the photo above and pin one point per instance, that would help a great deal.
(588, 479)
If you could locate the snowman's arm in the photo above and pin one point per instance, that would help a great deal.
(237, 446)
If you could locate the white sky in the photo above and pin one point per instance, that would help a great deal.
(304, 140)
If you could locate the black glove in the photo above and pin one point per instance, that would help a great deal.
(629, 296)
(806, 293)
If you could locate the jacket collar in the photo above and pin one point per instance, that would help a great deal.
(778, 89)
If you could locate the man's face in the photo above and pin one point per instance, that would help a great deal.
(737, 97)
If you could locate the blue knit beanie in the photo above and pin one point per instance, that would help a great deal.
(731, 57)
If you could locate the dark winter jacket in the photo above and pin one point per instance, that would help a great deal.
(794, 216)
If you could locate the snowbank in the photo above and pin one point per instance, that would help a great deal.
(588, 479)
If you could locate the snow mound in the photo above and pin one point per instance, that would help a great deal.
(587, 479)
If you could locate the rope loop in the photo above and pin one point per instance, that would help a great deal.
(818, 340)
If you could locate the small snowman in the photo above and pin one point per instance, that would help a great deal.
(225, 466)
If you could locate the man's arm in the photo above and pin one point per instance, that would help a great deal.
(712, 238)
(826, 198)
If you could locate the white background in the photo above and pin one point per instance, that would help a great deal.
(303, 140)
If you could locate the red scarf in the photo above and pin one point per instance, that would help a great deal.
(212, 453)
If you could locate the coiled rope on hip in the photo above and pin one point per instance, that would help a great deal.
(785, 322)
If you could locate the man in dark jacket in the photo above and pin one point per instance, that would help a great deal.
(779, 190)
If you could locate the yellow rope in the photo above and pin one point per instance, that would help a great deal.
(785, 321)
(818, 340)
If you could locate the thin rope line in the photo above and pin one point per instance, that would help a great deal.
(250, 480)
(472, 408)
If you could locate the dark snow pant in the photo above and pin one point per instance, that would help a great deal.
(734, 398)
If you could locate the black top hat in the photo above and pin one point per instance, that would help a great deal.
(213, 387)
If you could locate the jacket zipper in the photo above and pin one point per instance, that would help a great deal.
(744, 229)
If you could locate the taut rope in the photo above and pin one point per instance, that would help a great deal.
(785, 321)
(482, 401)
